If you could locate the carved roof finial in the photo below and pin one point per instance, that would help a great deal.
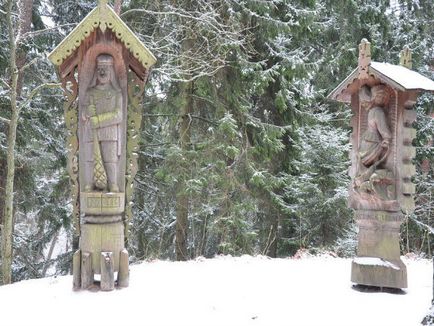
(405, 57)
(364, 58)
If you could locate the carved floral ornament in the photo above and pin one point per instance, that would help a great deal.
(102, 17)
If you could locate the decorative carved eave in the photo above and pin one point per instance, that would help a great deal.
(102, 17)
(398, 77)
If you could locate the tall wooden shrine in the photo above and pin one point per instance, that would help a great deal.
(382, 97)
(103, 68)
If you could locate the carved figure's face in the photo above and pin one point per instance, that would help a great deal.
(103, 74)
(380, 98)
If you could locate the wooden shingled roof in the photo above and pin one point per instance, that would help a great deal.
(103, 17)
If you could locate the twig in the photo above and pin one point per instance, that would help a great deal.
(204, 119)
(42, 31)
(28, 64)
(6, 84)
(36, 90)
(5, 120)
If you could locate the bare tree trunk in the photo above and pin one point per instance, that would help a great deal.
(25, 23)
(2, 186)
(50, 253)
(6, 245)
(182, 201)
(117, 6)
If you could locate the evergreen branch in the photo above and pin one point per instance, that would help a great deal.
(426, 226)
(159, 115)
(204, 119)
(36, 90)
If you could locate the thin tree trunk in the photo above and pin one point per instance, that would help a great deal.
(6, 245)
(24, 26)
(2, 185)
(50, 253)
(117, 6)
(182, 200)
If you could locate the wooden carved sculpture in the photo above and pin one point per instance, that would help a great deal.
(101, 62)
(381, 97)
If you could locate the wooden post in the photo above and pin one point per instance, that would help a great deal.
(76, 273)
(86, 270)
(124, 273)
(107, 271)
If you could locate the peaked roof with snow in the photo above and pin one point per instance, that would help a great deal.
(396, 76)
(103, 17)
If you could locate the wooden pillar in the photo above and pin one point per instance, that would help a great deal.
(107, 271)
(86, 270)
(124, 272)
(76, 270)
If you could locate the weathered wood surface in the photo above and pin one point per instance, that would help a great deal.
(107, 273)
(124, 272)
(86, 270)
(97, 238)
(76, 270)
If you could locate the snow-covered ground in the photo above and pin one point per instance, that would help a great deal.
(223, 291)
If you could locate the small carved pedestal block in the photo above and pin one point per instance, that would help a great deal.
(378, 261)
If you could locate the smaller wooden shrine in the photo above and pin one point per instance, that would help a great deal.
(382, 97)
(103, 67)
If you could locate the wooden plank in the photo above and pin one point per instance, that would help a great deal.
(408, 153)
(408, 135)
(107, 273)
(407, 204)
(409, 116)
(86, 270)
(408, 188)
(408, 170)
(124, 271)
(76, 270)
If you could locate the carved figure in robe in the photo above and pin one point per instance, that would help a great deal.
(373, 179)
(102, 136)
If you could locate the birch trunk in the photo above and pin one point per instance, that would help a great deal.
(8, 217)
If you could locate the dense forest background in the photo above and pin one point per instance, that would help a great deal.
(241, 152)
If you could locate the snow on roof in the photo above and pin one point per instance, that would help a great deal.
(399, 77)
(407, 78)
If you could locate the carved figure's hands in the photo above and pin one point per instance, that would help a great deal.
(385, 143)
(85, 117)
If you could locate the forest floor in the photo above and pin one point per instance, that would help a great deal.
(310, 290)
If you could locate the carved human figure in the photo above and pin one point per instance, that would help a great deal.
(102, 137)
(374, 148)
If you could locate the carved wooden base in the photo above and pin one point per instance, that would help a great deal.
(101, 252)
(379, 272)
(101, 203)
(378, 261)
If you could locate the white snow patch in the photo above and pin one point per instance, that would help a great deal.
(407, 78)
(223, 291)
(374, 261)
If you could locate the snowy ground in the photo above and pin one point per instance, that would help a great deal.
(223, 291)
